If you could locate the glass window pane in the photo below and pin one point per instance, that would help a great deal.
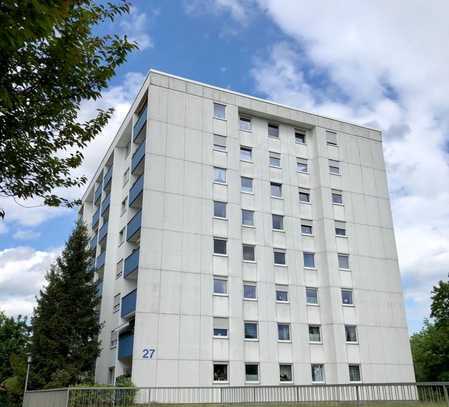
(219, 175)
(337, 197)
(221, 326)
(300, 138)
(248, 252)
(346, 296)
(245, 123)
(276, 190)
(278, 222)
(354, 373)
(247, 184)
(306, 227)
(304, 195)
(317, 373)
(301, 165)
(331, 137)
(219, 142)
(247, 217)
(273, 130)
(220, 286)
(282, 294)
(220, 246)
(246, 153)
(285, 373)
(312, 295)
(220, 372)
(309, 260)
(343, 261)
(250, 330)
(279, 257)
(314, 333)
(219, 111)
(249, 291)
(251, 372)
(275, 159)
(220, 209)
(351, 333)
(283, 332)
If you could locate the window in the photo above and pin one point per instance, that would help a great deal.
(354, 373)
(251, 372)
(277, 222)
(273, 130)
(221, 327)
(351, 333)
(220, 209)
(246, 153)
(284, 332)
(125, 177)
(312, 295)
(248, 252)
(220, 286)
(116, 304)
(331, 137)
(249, 291)
(111, 375)
(128, 148)
(123, 207)
(119, 269)
(219, 142)
(346, 296)
(250, 330)
(275, 159)
(306, 227)
(247, 217)
(309, 260)
(317, 373)
(220, 372)
(343, 261)
(337, 197)
(220, 246)
(340, 228)
(219, 111)
(304, 195)
(245, 123)
(279, 257)
(282, 293)
(314, 333)
(246, 184)
(285, 373)
(276, 190)
(301, 165)
(300, 137)
(334, 167)
(121, 237)
(220, 175)
(114, 338)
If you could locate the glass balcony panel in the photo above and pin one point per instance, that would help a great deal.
(103, 232)
(131, 263)
(135, 190)
(125, 345)
(98, 192)
(99, 263)
(138, 156)
(129, 303)
(96, 218)
(105, 204)
(134, 226)
(140, 123)
(107, 177)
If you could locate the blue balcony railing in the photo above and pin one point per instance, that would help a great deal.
(107, 177)
(140, 123)
(93, 242)
(131, 263)
(96, 218)
(102, 233)
(134, 226)
(136, 190)
(99, 262)
(99, 288)
(129, 303)
(97, 194)
(125, 345)
(138, 156)
(105, 204)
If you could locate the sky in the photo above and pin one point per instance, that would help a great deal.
(380, 63)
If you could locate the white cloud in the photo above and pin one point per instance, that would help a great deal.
(26, 234)
(238, 9)
(22, 271)
(384, 65)
(136, 27)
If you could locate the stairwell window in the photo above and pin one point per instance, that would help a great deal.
(220, 246)
(219, 111)
(334, 167)
(279, 257)
(220, 175)
(315, 333)
(331, 138)
(312, 295)
(309, 260)
(221, 327)
(285, 373)
(245, 123)
(246, 184)
(302, 165)
(246, 153)
(275, 159)
(219, 142)
(304, 195)
(277, 222)
(220, 286)
(276, 190)
(251, 372)
(340, 228)
(250, 329)
(220, 372)
(247, 217)
(346, 296)
(306, 227)
(283, 332)
(343, 261)
(116, 303)
(300, 137)
(220, 209)
(317, 373)
(354, 373)
(273, 130)
(249, 291)
(248, 252)
(351, 333)
(281, 293)
(337, 197)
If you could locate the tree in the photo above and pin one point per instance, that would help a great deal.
(65, 326)
(14, 341)
(430, 346)
(52, 59)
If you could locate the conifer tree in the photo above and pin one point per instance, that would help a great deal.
(65, 327)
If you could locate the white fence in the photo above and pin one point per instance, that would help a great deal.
(418, 393)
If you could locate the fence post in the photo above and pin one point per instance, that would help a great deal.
(221, 395)
(446, 397)
(297, 394)
(67, 397)
(357, 393)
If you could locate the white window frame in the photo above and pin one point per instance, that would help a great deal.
(217, 111)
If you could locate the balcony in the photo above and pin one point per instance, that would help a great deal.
(91, 266)
(105, 204)
(131, 265)
(107, 178)
(93, 242)
(102, 233)
(135, 192)
(98, 192)
(99, 288)
(139, 126)
(129, 304)
(125, 345)
(95, 218)
(133, 228)
(137, 160)
(99, 262)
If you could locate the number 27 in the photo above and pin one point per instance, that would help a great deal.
(148, 353)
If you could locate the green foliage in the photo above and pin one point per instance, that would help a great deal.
(430, 346)
(52, 59)
(14, 342)
(65, 340)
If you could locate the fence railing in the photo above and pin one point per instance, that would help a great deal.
(429, 394)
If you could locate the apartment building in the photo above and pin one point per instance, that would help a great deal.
(243, 242)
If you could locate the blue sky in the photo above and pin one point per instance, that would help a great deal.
(379, 64)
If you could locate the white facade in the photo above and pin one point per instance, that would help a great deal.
(339, 247)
